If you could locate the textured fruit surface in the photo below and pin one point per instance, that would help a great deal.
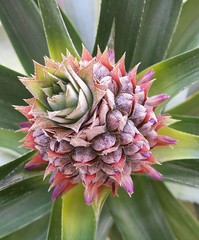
(92, 123)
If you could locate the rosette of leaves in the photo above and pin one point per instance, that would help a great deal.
(163, 36)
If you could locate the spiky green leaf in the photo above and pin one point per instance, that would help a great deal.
(55, 222)
(12, 92)
(141, 216)
(189, 107)
(57, 35)
(107, 14)
(23, 24)
(24, 210)
(157, 25)
(182, 171)
(127, 26)
(181, 221)
(175, 74)
(186, 36)
(187, 146)
(186, 124)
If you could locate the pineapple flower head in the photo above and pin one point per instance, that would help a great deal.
(92, 123)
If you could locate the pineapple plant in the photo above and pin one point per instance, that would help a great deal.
(95, 143)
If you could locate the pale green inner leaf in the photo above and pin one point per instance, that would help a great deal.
(57, 102)
(71, 96)
(85, 90)
(81, 108)
(48, 91)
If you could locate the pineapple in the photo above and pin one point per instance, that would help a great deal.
(101, 123)
(92, 123)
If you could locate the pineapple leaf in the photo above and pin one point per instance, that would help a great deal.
(99, 202)
(11, 92)
(55, 224)
(175, 74)
(78, 220)
(73, 33)
(105, 223)
(115, 233)
(134, 216)
(57, 35)
(188, 23)
(18, 183)
(181, 171)
(107, 14)
(35, 230)
(84, 15)
(181, 221)
(10, 166)
(127, 26)
(9, 139)
(23, 24)
(187, 146)
(23, 211)
(155, 30)
(186, 124)
(8, 55)
(185, 193)
(191, 106)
